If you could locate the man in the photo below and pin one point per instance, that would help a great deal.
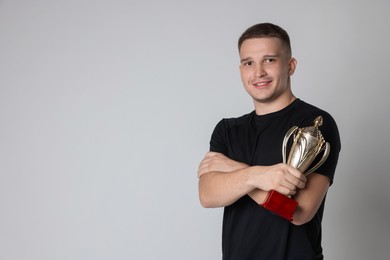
(245, 159)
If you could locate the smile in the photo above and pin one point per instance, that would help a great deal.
(262, 83)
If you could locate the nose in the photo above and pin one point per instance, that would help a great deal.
(259, 71)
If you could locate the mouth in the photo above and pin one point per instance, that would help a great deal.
(262, 84)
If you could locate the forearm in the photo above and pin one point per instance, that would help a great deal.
(310, 198)
(220, 189)
(223, 181)
(258, 195)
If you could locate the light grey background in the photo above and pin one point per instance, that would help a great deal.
(107, 107)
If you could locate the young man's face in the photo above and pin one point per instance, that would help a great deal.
(265, 69)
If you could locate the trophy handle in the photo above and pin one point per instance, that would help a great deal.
(323, 159)
(285, 140)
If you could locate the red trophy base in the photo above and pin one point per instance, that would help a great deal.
(280, 205)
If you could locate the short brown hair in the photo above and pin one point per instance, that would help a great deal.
(266, 30)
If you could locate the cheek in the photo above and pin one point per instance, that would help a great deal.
(245, 75)
(282, 73)
(242, 76)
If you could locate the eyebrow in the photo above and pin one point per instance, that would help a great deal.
(265, 57)
(246, 59)
(272, 56)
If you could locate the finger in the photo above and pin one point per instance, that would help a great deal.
(202, 170)
(289, 186)
(203, 165)
(211, 154)
(298, 174)
(296, 182)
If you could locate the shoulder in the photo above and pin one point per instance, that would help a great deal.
(225, 129)
(233, 122)
(304, 116)
(306, 113)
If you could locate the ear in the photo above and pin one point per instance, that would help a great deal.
(292, 65)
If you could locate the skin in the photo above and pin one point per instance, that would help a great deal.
(265, 72)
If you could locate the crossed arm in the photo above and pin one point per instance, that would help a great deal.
(222, 181)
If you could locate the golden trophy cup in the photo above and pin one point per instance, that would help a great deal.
(308, 143)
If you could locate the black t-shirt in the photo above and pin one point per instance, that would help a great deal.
(250, 231)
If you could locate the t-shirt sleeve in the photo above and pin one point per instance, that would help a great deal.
(330, 133)
(218, 141)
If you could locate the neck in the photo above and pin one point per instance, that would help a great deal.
(263, 108)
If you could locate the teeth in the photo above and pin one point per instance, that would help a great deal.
(262, 83)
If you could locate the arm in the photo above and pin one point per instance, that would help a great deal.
(222, 181)
(219, 162)
(220, 189)
(309, 198)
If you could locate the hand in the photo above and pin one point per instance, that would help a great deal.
(281, 177)
(218, 162)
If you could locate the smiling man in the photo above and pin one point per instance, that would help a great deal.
(245, 159)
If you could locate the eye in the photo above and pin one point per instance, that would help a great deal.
(270, 60)
(247, 63)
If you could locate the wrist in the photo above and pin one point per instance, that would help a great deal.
(240, 166)
(253, 175)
